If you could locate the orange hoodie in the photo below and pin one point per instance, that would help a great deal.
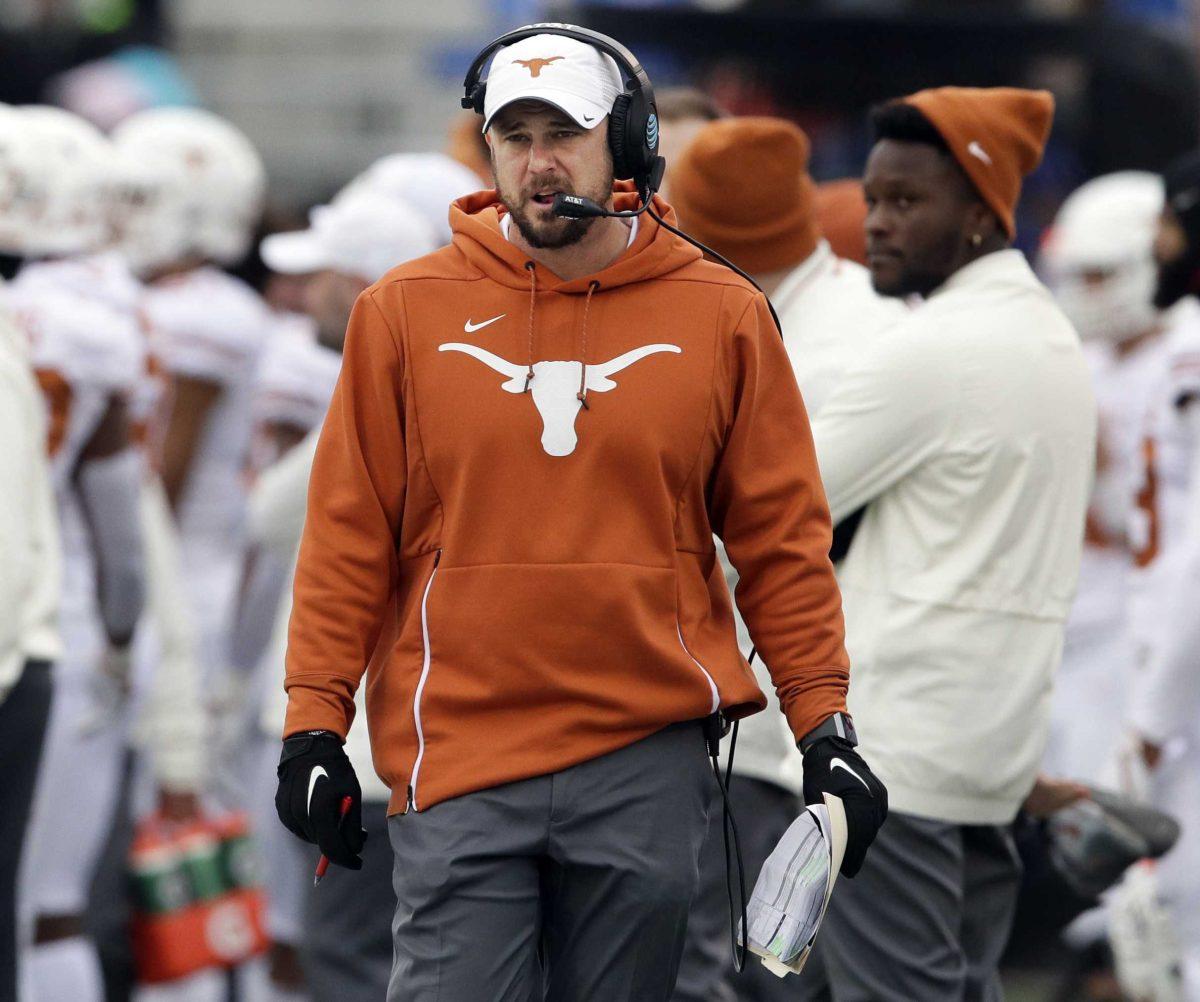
(529, 578)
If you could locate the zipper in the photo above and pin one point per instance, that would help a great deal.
(412, 786)
(712, 686)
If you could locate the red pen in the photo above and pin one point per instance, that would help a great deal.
(323, 862)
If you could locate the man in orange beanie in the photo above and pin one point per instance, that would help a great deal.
(828, 312)
(968, 432)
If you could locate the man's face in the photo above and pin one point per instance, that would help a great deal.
(328, 298)
(921, 214)
(538, 152)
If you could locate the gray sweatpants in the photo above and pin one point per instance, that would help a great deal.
(927, 917)
(763, 812)
(571, 887)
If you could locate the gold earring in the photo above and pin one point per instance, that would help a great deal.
(976, 239)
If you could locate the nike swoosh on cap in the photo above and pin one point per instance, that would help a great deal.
(313, 776)
(471, 328)
(838, 762)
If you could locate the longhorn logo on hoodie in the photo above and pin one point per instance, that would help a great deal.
(555, 386)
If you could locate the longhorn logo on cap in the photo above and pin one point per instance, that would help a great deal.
(535, 66)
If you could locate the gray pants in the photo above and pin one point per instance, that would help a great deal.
(572, 887)
(763, 813)
(24, 712)
(926, 918)
(347, 951)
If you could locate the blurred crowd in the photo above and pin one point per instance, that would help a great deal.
(160, 418)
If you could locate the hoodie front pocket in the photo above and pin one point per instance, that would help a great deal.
(533, 667)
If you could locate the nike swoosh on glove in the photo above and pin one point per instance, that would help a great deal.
(831, 765)
(314, 775)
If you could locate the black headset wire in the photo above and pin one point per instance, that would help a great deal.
(728, 825)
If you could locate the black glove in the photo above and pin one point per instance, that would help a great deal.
(314, 776)
(831, 765)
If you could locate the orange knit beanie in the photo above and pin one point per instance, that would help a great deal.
(996, 134)
(742, 187)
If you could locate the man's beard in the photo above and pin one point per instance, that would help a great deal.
(554, 234)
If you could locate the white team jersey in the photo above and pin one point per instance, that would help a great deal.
(80, 316)
(1124, 386)
(1159, 520)
(86, 343)
(209, 326)
(296, 376)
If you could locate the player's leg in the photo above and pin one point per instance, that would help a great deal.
(78, 787)
(991, 879)
(24, 711)
(467, 917)
(347, 952)
(624, 848)
(892, 934)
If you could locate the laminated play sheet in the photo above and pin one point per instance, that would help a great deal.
(793, 889)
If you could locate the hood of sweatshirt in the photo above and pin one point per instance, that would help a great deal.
(475, 221)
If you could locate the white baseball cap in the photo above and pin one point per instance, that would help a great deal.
(362, 233)
(574, 77)
(428, 182)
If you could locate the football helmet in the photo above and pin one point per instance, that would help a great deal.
(1098, 258)
(23, 188)
(69, 186)
(199, 186)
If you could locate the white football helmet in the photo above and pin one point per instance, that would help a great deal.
(1098, 258)
(74, 184)
(201, 188)
(24, 190)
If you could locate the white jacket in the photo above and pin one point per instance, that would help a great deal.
(29, 551)
(970, 430)
(277, 509)
(829, 314)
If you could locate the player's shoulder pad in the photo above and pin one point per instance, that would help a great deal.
(85, 341)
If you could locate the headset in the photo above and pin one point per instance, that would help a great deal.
(632, 133)
(633, 121)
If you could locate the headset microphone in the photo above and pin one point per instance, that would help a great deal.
(578, 207)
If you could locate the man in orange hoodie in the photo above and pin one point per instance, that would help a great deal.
(536, 433)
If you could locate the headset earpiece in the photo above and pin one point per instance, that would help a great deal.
(474, 98)
(618, 136)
